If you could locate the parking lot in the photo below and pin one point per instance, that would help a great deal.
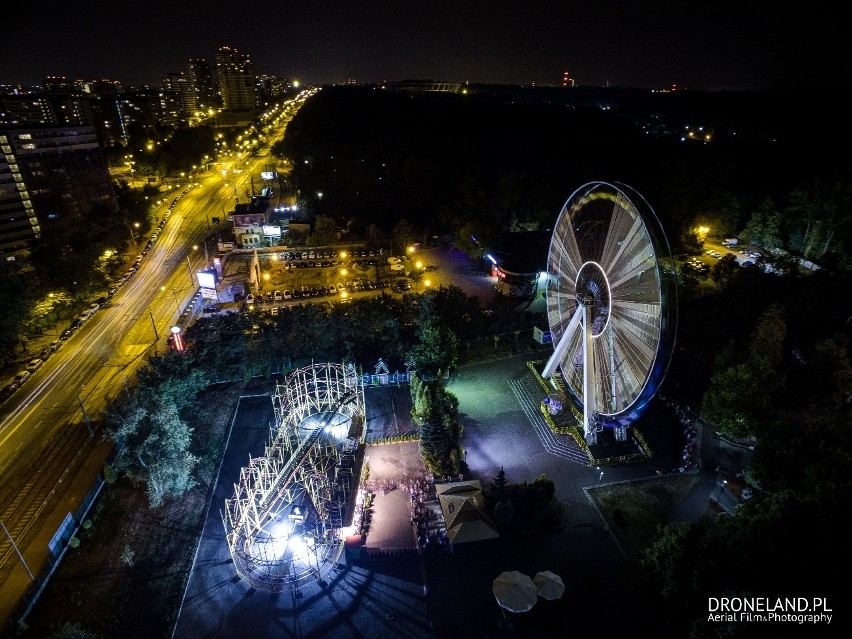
(338, 274)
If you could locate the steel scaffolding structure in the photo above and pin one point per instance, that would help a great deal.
(284, 522)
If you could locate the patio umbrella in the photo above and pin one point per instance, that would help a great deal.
(549, 584)
(515, 591)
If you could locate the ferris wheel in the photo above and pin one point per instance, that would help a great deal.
(611, 304)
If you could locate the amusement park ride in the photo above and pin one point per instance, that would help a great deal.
(285, 523)
(611, 305)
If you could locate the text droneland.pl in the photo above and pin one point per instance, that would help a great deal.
(799, 610)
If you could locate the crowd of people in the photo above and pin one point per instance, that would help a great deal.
(690, 456)
(426, 514)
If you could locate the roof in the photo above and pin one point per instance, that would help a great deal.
(463, 506)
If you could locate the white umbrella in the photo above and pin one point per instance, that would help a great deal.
(515, 591)
(549, 584)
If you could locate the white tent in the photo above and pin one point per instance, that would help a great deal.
(549, 585)
(515, 591)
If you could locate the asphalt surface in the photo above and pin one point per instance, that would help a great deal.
(435, 594)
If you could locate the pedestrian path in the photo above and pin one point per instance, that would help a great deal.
(559, 445)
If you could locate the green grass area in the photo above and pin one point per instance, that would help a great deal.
(633, 510)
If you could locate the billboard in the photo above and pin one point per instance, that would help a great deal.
(271, 231)
(267, 175)
(207, 279)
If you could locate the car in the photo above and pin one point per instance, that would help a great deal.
(287, 294)
(34, 364)
(55, 345)
(45, 353)
(278, 296)
(22, 376)
(68, 332)
(211, 308)
(8, 390)
(250, 298)
(747, 263)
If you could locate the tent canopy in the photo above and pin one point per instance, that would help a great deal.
(549, 585)
(515, 591)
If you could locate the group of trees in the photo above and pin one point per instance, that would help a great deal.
(480, 164)
(150, 426)
(781, 382)
(68, 266)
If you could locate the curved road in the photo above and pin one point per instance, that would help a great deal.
(40, 431)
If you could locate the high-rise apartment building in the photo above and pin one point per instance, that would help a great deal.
(237, 82)
(201, 76)
(179, 85)
(19, 225)
(49, 176)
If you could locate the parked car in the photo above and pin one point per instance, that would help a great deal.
(278, 296)
(22, 376)
(250, 298)
(34, 364)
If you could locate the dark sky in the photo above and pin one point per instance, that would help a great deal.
(712, 45)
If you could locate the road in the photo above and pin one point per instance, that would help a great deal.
(40, 426)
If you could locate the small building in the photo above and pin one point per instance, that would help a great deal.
(516, 261)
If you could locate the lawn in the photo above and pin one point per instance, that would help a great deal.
(633, 510)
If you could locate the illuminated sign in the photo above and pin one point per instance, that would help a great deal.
(267, 175)
(207, 279)
(271, 231)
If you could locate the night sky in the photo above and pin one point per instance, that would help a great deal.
(718, 45)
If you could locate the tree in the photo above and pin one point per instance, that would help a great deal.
(498, 485)
(764, 226)
(153, 446)
(739, 398)
(436, 350)
(725, 269)
(325, 231)
(403, 235)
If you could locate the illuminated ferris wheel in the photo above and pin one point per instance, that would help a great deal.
(611, 304)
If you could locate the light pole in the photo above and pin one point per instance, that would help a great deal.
(132, 234)
(189, 268)
(721, 488)
(154, 324)
(120, 368)
(17, 552)
(85, 416)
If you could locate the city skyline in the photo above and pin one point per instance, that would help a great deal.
(724, 47)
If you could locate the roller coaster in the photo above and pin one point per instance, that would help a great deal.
(285, 522)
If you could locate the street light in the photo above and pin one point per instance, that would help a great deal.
(132, 234)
